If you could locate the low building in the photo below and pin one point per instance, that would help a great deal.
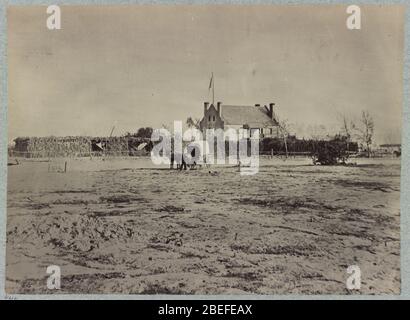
(260, 118)
(391, 148)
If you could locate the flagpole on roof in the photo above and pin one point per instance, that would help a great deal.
(211, 86)
(213, 89)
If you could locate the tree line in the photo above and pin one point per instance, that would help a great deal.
(353, 136)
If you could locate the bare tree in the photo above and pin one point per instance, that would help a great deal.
(365, 130)
(284, 128)
(346, 128)
(317, 132)
(166, 126)
(144, 132)
(192, 123)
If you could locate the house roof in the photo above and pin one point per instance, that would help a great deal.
(250, 115)
(390, 145)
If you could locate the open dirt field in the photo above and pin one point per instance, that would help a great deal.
(123, 226)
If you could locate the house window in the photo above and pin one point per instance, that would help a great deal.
(213, 118)
(253, 130)
(209, 118)
(271, 130)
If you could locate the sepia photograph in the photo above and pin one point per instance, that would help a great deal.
(204, 149)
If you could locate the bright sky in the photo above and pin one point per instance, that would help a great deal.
(133, 66)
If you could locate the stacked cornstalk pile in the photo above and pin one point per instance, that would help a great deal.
(71, 146)
(58, 147)
(116, 146)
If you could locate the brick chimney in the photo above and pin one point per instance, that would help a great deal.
(271, 113)
(218, 107)
(206, 104)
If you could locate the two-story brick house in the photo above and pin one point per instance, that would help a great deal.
(261, 118)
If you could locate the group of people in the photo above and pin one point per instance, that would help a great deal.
(186, 161)
(181, 160)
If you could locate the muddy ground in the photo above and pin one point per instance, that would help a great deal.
(123, 226)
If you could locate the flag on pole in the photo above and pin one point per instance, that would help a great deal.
(210, 82)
